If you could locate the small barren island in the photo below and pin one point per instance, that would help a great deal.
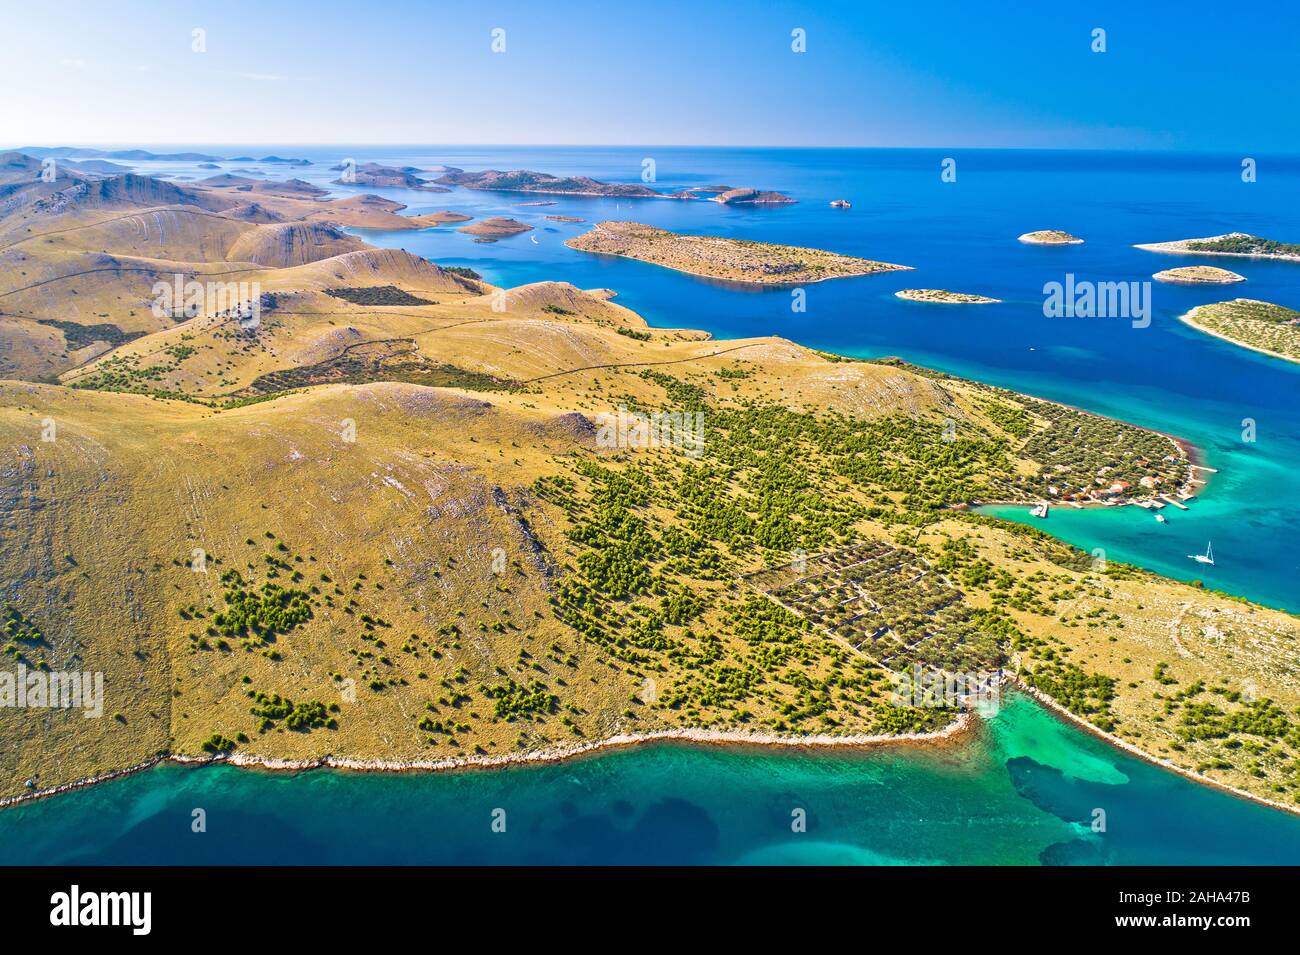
(1050, 237)
(733, 260)
(1198, 275)
(1259, 326)
(497, 227)
(943, 297)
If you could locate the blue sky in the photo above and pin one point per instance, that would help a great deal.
(1193, 75)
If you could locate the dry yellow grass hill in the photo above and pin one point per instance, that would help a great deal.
(411, 522)
(406, 516)
(286, 244)
(80, 260)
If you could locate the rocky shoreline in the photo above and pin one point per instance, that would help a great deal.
(1056, 708)
(496, 227)
(1189, 318)
(956, 730)
(938, 296)
(1050, 237)
(744, 262)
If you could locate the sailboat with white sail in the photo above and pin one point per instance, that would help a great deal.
(1206, 558)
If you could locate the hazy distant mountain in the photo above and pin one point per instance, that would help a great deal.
(140, 154)
(15, 162)
(100, 167)
(144, 155)
(374, 174)
(274, 159)
(126, 191)
(526, 180)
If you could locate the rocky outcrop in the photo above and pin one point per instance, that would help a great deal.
(752, 197)
(128, 191)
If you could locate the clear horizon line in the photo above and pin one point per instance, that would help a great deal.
(135, 144)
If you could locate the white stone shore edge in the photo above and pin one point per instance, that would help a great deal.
(1141, 754)
(906, 296)
(1179, 247)
(1186, 319)
(958, 727)
(1030, 238)
(961, 726)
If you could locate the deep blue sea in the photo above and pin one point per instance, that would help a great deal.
(1008, 799)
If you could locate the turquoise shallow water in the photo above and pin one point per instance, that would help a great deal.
(1024, 792)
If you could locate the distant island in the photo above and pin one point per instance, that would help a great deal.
(87, 168)
(1230, 243)
(734, 260)
(497, 227)
(1198, 275)
(752, 197)
(374, 174)
(289, 187)
(272, 159)
(1050, 237)
(63, 152)
(436, 218)
(528, 180)
(944, 297)
(1259, 326)
(143, 155)
(368, 211)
